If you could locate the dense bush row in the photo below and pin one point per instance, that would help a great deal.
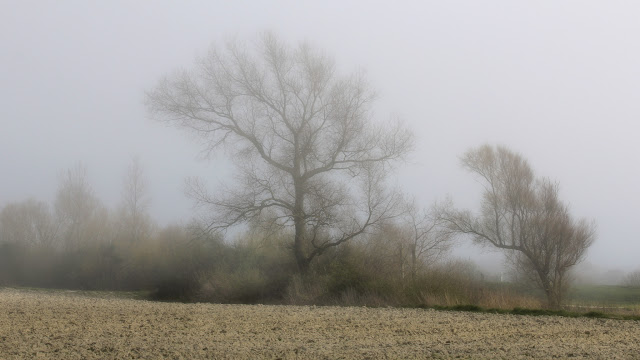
(178, 264)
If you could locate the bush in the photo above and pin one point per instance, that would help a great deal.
(246, 273)
(175, 288)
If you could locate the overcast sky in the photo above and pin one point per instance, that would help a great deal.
(557, 81)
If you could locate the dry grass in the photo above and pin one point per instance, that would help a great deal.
(506, 299)
(44, 325)
(486, 298)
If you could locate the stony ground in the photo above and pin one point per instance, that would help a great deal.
(64, 325)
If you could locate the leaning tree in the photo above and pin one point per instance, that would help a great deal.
(300, 134)
(523, 215)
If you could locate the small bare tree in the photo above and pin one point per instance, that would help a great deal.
(408, 245)
(29, 223)
(524, 216)
(427, 238)
(632, 279)
(81, 215)
(134, 217)
(301, 136)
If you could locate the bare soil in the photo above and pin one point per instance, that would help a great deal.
(65, 325)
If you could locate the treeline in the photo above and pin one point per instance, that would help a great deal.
(179, 263)
(78, 243)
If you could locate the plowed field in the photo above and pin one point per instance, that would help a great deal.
(64, 325)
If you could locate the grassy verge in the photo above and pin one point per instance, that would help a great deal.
(537, 312)
(620, 300)
(605, 294)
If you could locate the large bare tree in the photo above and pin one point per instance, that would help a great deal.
(523, 215)
(300, 134)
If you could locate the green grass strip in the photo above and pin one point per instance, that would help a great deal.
(534, 312)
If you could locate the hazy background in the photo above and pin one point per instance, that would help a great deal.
(558, 82)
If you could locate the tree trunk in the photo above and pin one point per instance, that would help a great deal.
(553, 299)
(303, 265)
(299, 246)
(552, 293)
(414, 266)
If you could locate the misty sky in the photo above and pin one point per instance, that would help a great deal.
(558, 82)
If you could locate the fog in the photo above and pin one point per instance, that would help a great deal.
(557, 82)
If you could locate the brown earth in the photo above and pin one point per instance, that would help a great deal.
(64, 325)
